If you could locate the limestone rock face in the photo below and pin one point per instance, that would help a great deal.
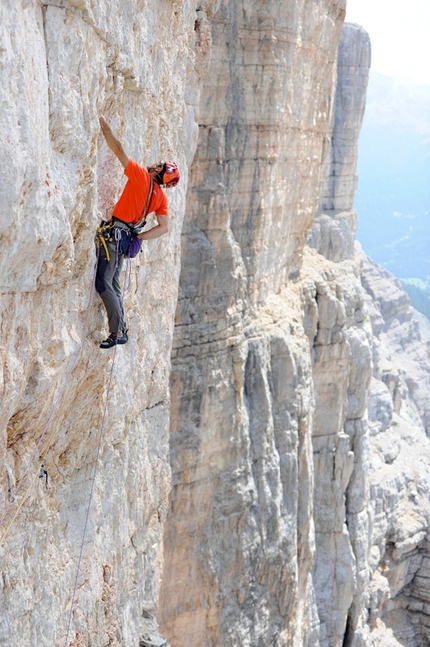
(276, 493)
(333, 232)
(256, 176)
(262, 543)
(400, 455)
(353, 65)
(239, 539)
(399, 460)
(62, 64)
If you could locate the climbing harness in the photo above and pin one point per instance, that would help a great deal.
(124, 234)
(111, 232)
(118, 232)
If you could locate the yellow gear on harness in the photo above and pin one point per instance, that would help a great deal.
(106, 248)
(103, 233)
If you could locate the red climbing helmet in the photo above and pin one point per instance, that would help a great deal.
(170, 174)
(166, 173)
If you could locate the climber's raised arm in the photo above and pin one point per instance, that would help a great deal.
(113, 142)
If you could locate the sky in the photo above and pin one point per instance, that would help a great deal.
(400, 35)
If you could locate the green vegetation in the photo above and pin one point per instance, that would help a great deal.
(419, 294)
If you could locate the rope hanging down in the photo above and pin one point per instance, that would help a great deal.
(78, 568)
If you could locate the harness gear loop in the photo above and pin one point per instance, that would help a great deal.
(105, 248)
(118, 235)
(104, 233)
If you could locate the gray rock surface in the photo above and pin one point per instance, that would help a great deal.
(333, 232)
(62, 63)
(399, 475)
(240, 439)
(239, 539)
(296, 484)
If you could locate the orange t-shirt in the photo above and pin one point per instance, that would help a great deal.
(132, 201)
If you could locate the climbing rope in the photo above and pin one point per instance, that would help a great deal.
(93, 480)
(37, 450)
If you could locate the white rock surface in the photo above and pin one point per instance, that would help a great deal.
(299, 408)
(399, 470)
(62, 63)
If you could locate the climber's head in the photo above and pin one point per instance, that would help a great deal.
(165, 173)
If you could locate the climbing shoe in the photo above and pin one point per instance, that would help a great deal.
(113, 341)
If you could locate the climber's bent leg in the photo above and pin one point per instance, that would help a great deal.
(108, 286)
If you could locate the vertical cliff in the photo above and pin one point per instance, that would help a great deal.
(276, 493)
(62, 63)
(239, 540)
(396, 596)
(333, 231)
(342, 351)
(387, 512)
(286, 527)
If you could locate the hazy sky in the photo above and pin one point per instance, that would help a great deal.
(400, 35)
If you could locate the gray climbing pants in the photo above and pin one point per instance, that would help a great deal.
(109, 288)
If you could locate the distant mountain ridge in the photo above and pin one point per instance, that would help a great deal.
(398, 100)
(393, 196)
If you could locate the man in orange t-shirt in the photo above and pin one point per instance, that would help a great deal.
(128, 211)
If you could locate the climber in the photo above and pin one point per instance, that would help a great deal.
(141, 195)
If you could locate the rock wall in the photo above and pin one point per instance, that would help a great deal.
(239, 540)
(399, 461)
(333, 232)
(262, 543)
(294, 489)
(62, 64)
